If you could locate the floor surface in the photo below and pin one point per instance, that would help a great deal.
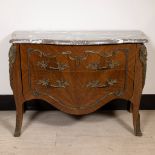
(57, 133)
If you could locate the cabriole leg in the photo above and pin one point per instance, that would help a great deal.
(16, 85)
(139, 81)
(136, 120)
(19, 119)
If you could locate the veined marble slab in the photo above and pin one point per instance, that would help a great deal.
(78, 37)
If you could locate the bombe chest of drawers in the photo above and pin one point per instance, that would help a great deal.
(77, 72)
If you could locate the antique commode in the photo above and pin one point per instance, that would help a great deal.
(78, 72)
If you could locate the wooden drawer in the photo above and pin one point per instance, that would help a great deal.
(75, 58)
(77, 77)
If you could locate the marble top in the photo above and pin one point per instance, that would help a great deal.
(78, 37)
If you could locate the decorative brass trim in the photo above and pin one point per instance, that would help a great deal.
(98, 84)
(12, 55)
(48, 55)
(104, 54)
(96, 66)
(77, 58)
(42, 64)
(12, 58)
(58, 84)
(143, 59)
(60, 66)
(35, 92)
(116, 93)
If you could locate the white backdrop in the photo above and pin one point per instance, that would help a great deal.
(76, 15)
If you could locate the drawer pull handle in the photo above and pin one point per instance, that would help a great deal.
(60, 66)
(98, 84)
(57, 84)
(96, 65)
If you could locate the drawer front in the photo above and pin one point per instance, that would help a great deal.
(77, 77)
(76, 58)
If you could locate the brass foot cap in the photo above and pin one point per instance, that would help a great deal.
(16, 134)
(138, 133)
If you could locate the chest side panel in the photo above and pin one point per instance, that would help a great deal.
(78, 79)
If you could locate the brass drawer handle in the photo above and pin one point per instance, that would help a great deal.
(58, 84)
(96, 65)
(60, 66)
(98, 84)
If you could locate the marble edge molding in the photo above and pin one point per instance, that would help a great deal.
(78, 37)
(78, 42)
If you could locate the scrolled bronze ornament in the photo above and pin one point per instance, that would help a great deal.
(143, 59)
(12, 58)
(97, 66)
(60, 66)
(42, 64)
(58, 83)
(12, 54)
(98, 84)
(36, 92)
(103, 53)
